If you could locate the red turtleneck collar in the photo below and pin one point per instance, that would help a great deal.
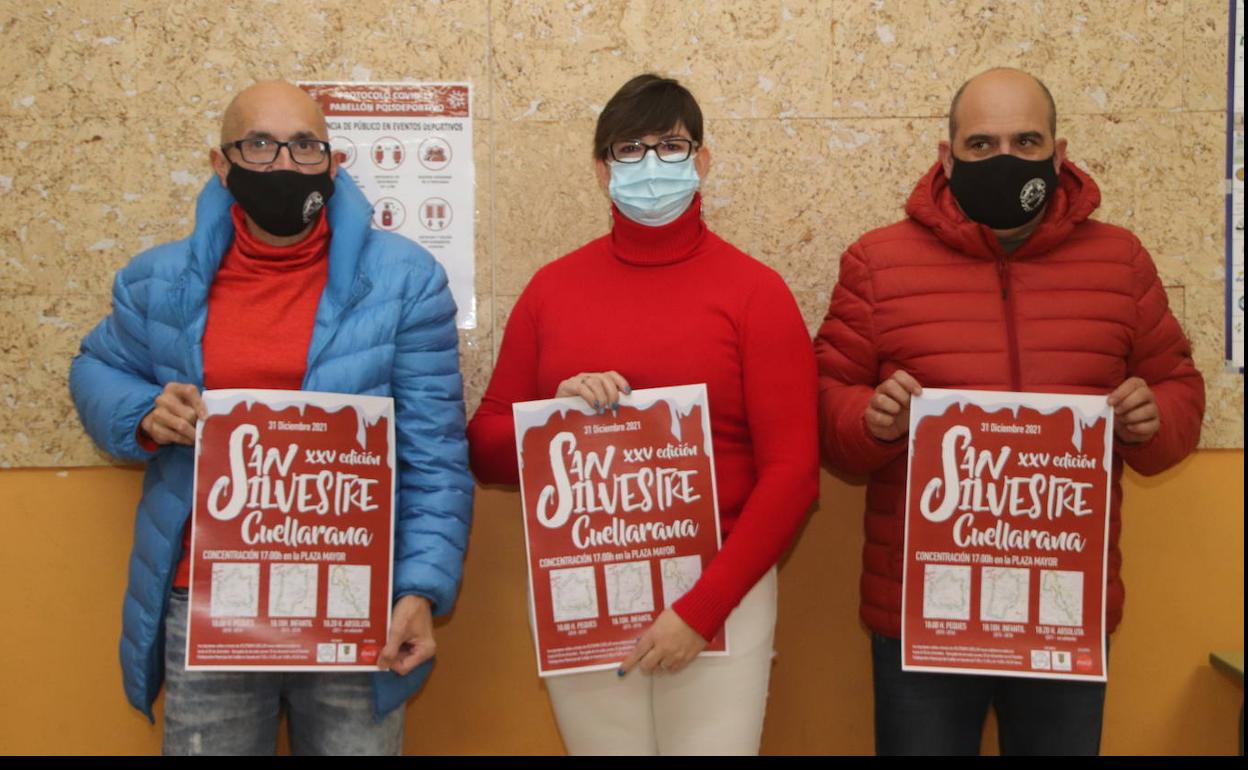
(257, 256)
(646, 246)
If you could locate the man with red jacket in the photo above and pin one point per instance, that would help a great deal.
(997, 280)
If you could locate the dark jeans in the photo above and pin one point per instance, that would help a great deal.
(943, 714)
(237, 712)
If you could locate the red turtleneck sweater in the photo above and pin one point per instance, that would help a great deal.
(261, 310)
(676, 305)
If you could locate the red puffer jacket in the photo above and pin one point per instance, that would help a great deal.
(1078, 308)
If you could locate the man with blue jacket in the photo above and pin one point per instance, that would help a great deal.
(283, 284)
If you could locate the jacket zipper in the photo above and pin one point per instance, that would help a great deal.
(1011, 329)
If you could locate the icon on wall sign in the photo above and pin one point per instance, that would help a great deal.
(389, 214)
(346, 147)
(435, 214)
(434, 153)
(388, 153)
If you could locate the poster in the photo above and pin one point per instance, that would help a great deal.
(409, 148)
(1007, 528)
(293, 521)
(1235, 191)
(620, 519)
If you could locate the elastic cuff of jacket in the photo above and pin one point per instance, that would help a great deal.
(433, 603)
(876, 441)
(128, 442)
(145, 441)
(1125, 448)
(703, 611)
(873, 452)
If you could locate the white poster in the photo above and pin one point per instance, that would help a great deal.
(621, 518)
(1007, 534)
(409, 148)
(292, 531)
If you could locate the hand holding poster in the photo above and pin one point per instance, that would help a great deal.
(291, 556)
(1007, 520)
(620, 518)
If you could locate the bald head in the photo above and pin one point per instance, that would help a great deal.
(1001, 93)
(280, 118)
(274, 108)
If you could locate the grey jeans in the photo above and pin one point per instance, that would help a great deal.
(237, 713)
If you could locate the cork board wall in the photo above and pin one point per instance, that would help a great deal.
(821, 115)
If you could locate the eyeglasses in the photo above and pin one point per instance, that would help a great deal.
(673, 150)
(305, 152)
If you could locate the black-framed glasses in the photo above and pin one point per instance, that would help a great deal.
(673, 150)
(259, 150)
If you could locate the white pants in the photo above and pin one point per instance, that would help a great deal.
(715, 705)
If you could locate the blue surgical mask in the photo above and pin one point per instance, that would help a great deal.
(653, 193)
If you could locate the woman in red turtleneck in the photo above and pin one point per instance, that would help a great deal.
(659, 301)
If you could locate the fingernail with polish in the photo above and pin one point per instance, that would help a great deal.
(620, 672)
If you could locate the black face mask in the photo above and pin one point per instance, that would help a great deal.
(1004, 191)
(282, 203)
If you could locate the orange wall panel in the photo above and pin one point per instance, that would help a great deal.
(65, 537)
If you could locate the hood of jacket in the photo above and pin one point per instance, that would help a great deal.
(932, 205)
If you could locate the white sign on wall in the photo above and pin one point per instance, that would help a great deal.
(409, 148)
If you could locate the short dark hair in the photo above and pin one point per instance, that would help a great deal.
(647, 104)
(953, 106)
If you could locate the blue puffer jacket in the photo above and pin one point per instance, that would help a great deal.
(385, 326)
